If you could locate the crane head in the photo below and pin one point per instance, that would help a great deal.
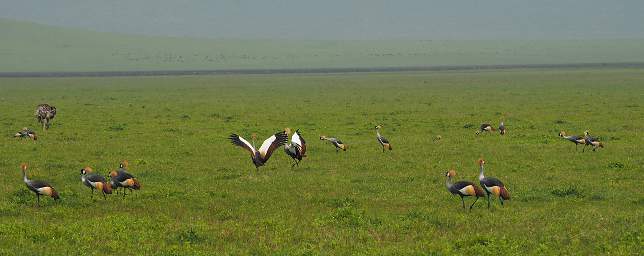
(450, 173)
(481, 161)
(124, 164)
(23, 166)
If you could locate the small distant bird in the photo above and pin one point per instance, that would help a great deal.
(336, 142)
(463, 188)
(502, 128)
(485, 128)
(26, 133)
(573, 138)
(592, 141)
(492, 186)
(296, 149)
(122, 178)
(38, 187)
(437, 138)
(261, 156)
(95, 181)
(382, 140)
(45, 113)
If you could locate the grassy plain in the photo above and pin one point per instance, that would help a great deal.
(202, 196)
(33, 47)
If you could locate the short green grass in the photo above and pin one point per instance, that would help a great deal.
(201, 195)
(32, 47)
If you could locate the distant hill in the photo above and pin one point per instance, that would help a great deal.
(28, 46)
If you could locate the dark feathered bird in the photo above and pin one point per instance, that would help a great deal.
(573, 138)
(492, 186)
(26, 133)
(335, 142)
(485, 128)
(463, 188)
(122, 178)
(296, 148)
(260, 156)
(38, 187)
(384, 142)
(502, 128)
(95, 181)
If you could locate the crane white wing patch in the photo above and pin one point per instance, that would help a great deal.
(267, 144)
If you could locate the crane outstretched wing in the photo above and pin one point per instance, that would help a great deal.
(272, 143)
(241, 142)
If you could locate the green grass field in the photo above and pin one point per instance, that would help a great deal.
(203, 196)
(33, 47)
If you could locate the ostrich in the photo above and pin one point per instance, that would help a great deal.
(45, 113)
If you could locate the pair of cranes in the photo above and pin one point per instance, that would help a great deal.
(486, 127)
(585, 140)
(295, 148)
(490, 186)
(119, 178)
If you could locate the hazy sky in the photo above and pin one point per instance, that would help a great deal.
(343, 19)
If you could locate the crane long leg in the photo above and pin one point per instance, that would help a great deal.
(488, 200)
(501, 200)
(463, 201)
(477, 198)
(37, 199)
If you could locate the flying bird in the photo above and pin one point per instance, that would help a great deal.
(382, 140)
(38, 187)
(335, 142)
(485, 128)
(26, 133)
(296, 149)
(261, 156)
(463, 188)
(492, 186)
(45, 113)
(95, 181)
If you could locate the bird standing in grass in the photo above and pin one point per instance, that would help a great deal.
(502, 128)
(463, 188)
(573, 138)
(122, 178)
(260, 156)
(336, 142)
(492, 186)
(45, 113)
(296, 149)
(485, 128)
(382, 140)
(95, 181)
(591, 141)
(26, 133)
(38, 187)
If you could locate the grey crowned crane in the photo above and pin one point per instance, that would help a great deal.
(492, 186)
(122, 178)
(260, 156)
(502, 128)
(573, 138)
(26, 133)
(592, 141)
(45, 113)
(463, 188)
(38, 187)
(296, 149)
(95, 181)
(336, 142)
(382, 140)
(485, 128)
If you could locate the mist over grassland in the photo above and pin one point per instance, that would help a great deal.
(33, 47)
